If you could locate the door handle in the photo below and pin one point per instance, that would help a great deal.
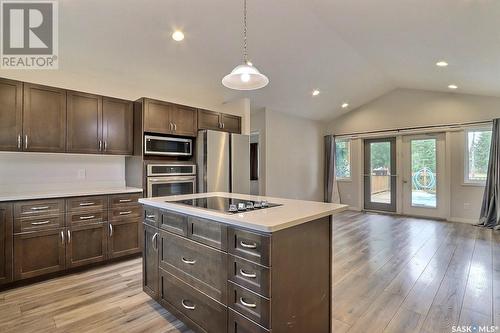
(62, 237)
(154, 240)
(26, 141)
(19, 142)
(105, 145)
(110, 230)
(100, 145)
(69, 236)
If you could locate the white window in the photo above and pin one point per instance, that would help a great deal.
(343, 159)
(477, 154)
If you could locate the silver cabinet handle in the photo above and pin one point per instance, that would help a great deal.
(105, 145)
(150, 216)
(189, 307)
(248, 275)
(175, 127)
(69, 236)
(26, 141)
(84, 204)
(19, 142)
(126, 213)
(100, 145)
(188, 261)
(87, 217)
(248, 305)
(170, 126)
(248, 245)
(154, 240)
(40, 208)
(62, 237)
(110, 230)
(223, 125)
(124, 200)
(40, 223)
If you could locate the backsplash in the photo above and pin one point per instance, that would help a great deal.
(36, 172)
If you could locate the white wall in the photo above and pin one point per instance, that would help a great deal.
(294, 155)
(35, 172)
(258, 124)
(403, 108)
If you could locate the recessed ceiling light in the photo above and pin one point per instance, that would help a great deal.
(345, 105)
(453, 86)
(178, 35)
(441, 64)
(315, 92)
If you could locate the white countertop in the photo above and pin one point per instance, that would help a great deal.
(291, 213)
(15, 196)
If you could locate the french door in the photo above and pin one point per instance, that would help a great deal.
(424, 175)
(380, 174)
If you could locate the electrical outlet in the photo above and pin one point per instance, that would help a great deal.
(82, 174)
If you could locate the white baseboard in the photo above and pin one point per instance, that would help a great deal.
(463, 220)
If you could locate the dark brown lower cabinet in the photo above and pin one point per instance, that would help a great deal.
(123, 238)
(6, 226)
(86, 244)
(39, 253)
(150, 261)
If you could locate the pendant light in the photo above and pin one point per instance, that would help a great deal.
(245, 76)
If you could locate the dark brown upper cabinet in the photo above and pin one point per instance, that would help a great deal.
(11, 114)
(218, 121)
(44, 119)
(6, 226)
(117, 126)
(84, 123)
(168, 118)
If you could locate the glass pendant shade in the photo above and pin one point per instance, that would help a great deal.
(245, 77)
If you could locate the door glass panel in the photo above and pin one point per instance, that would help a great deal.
(380, 172)
(177, 188)
(423, 171)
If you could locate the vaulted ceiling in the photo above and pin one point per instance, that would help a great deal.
(351, 50)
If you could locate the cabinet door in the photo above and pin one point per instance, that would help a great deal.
(157, 116)
(39, 253)
(86, 244)
(208, 120)
(118, 126)
(84, 123)
(11, 114)
(6, 223)
(124, 238)
(44, 118)
(184, 120)
(150, 261)
(231, 123)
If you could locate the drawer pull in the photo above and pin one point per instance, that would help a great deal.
(189, 307)
(248, 305)
(124, 200)
(188, 261)
(150, 216)
(154, 241)
(248, 245)
(84, 204)
(40, 208)
(126, 213)
(248, 275)
(87, 217)
(40, 223)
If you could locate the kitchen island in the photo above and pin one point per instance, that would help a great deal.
(224, 262)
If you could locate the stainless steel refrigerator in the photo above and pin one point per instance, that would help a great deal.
(223, 162)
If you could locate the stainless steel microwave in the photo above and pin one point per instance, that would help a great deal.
(167, 146)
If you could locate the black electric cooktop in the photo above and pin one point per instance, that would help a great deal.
(226, 205)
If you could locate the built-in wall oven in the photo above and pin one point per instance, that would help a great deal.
(170, 179)
(167, 146)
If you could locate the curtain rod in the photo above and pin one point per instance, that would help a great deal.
(401, 130)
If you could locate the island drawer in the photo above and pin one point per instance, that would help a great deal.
(239, 324)
(38, 223)
(176, 223)
(208, 232)
(38, 207)
(86, 217)
(201, 266)
(249, 304)
(131, 212)
(249, 275)
(251, 246)
(151, 216)
(87, 203)
(123, 200)
(205, 312)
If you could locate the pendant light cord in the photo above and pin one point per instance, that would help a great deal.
(245, 55)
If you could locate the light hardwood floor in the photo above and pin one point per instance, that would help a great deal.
(391, 274)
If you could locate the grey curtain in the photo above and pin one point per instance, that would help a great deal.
(331, 190)
(490, 209)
